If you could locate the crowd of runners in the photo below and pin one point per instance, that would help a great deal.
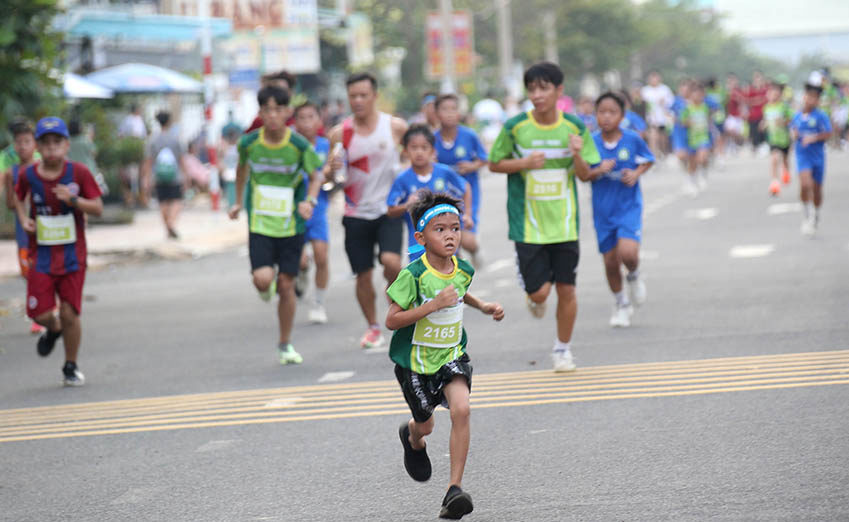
(424, 176)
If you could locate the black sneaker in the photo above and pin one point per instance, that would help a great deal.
(47, 341)
(456, 504)
(71, 375)
(416, 462)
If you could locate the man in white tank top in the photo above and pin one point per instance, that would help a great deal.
(370, 139)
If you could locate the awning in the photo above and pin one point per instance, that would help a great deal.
(144, 78)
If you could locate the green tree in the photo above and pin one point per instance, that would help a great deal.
(29, 50)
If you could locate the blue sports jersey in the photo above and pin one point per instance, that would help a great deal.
(322, 150)
(441, 179)
(815, 122)
(615, 203)
(466, 147)
(21, 236)
(633, 121)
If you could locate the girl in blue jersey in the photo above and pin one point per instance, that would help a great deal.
(618, 203)
(418, 143)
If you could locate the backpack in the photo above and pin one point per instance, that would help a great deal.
(165, 166)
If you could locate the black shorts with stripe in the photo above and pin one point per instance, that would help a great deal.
(424, 393)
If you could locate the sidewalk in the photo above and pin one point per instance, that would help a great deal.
(202, 232)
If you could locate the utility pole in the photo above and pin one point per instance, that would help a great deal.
(446, 11)
(505, 43)
(208, 97)
(549, 22)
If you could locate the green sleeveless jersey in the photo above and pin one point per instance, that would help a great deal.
(439, 338)
(542, 204)
(277, 182)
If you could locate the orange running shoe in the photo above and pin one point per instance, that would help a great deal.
(785, 177)
(36, 329)
(774, 187)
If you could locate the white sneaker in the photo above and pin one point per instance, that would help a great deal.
(317, 314)
(537, 309)
(621, 317)
(690, 189)
(75, 379)
(637, 291)
(563, 362)
(808, 228)
(701, 182)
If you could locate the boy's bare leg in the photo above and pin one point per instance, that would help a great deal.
(567, 311)
(286, 305)
(320, 255)
(71, 331)
(418, 431)
(457, 395)
(366, 296)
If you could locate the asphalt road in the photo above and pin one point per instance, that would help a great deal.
(726, 399)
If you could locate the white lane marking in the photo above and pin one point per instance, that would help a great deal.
(482, 293)
(282, 402)
(504, 283)
(536, 432)
(649, 254)
(783, 208)
(139, 495)
(336, 376)
(378, 349)
(661, 202)
(747, 251)
(701, 213)
(215, 445)
(500, 264)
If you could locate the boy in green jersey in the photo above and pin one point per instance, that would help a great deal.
(696, 118)
(776, 123)
(542, 151)
(429, 343)
(272, 160)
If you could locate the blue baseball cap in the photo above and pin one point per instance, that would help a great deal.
(51, 125)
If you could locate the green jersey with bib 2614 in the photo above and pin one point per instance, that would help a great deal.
(439, 338)
(542, 204)
(276, 183)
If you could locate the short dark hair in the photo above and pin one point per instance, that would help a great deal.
(427, 200)
(280, 95)
(361, 77)
(418, 129)
(163, 117)
(610, 95)
(544, 72)
(817, 89)
(306, 105)
(446, 97)
(284, 75)
(18, 127)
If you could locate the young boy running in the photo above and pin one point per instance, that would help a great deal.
(618, 204)
(542, 151)
(424, 173)
(275, 157)
(459, 147)
(307, 123)
(61, 193)
(429, 343)
(696, 118)
(811, 129)
(23, 149)
(776, 123)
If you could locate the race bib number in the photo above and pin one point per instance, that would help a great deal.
(274, 201)
(441, 329)
(55, 230)
(547, 184)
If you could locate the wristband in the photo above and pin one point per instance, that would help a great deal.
(313, 200)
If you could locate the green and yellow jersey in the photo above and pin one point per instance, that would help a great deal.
(542, 204)
(439, 338)
(697, 119)
(778, 116)
(276, 184)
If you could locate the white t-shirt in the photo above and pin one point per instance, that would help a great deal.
(659, 100)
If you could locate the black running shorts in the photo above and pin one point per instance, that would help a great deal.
(285, 252)
(539, 264)
(168, 192)
(424, 393)
(361, 236)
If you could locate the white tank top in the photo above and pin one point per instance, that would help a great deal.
(372, 167)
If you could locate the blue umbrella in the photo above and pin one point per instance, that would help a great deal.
(144, 78)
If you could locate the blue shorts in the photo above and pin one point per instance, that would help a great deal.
(679, 138)
(693, 150)
(817, 168)
(609, 237)
(317, 228)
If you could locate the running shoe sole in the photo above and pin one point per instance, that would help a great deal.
(457, 506)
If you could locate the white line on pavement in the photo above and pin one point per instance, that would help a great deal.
(336, 376)
(282, 402)
(139, 495)
(649, 254)
(661, 202)
(215, 445)
(504, 283)
(783, 208)
(500, 264)
(701, 213)
(747, 251)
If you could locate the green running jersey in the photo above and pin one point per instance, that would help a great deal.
(439, 338)
(777, 117)
(542, 204)
(277, 183)
(697, 117)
